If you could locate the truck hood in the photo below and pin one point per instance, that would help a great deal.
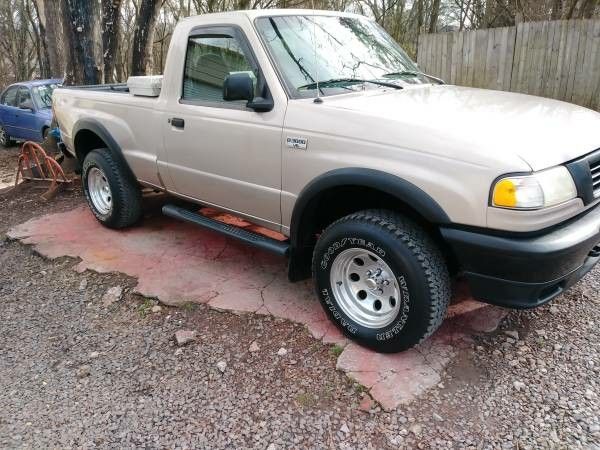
(472, 122)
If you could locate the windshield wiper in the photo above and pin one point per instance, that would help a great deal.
(412, 73)
(403, 73)
(326, 83)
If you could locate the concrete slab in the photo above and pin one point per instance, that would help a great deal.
(178, 263)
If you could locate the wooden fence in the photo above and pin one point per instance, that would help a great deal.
(559, 59)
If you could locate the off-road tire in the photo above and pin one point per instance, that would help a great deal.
(126, 195)
(416, 262)
(7, 141)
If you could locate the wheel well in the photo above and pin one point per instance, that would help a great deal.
(337, 202)
(86, 141)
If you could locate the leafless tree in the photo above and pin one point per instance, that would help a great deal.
(111, 10)
(48, 12)
(141, 62)
(18, 46)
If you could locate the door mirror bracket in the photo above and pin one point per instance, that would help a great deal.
(261, 104)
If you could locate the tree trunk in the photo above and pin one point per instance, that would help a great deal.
(570, 11)
(420, 16)
(433, 19)
(488, 15)
(68, 37)
(110, 36)
(556, 9)
(39, 30)
(81, 31)
(588, 9)
(50, 21)
(141, 60)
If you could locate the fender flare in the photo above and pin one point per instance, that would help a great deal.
(370, 178)
(404, 191)
(99, 130)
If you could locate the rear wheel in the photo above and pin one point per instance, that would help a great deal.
(5, 140)
(113, 196)
(381, 279)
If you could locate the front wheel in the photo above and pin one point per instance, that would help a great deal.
(5, 140)
(381, 279)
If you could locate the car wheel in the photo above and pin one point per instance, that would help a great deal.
(5, 140)
(45, 133)
(113, 196)
(381, 279)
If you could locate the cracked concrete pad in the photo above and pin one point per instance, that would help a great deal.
(178, 263)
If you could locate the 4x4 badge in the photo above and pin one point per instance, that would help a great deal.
(296, 142)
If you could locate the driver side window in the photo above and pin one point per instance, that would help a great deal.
(24, 96)
(209, 60)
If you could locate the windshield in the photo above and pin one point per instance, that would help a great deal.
(348, 50)
(43, 95)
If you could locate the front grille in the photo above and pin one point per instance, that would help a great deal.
(595, 170)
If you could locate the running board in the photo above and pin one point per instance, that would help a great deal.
(255, 239)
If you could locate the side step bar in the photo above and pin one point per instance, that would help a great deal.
(255, 239)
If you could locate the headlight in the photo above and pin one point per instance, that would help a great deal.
(538, 190)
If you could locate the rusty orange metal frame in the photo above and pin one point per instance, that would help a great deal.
(36, 165)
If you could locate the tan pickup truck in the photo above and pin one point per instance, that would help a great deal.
(387, 182)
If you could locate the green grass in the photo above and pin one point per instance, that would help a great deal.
(305, 399)
(337, 350)
(145, 307)
(359, 388)
(189, 306)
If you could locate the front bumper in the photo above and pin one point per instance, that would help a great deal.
(524, 272)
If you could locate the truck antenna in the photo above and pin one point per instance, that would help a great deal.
(314, 36)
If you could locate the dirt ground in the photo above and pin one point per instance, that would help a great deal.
(76, 372)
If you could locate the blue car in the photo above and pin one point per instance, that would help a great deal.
(26, 111)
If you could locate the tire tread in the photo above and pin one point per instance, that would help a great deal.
(424, 249)
(128, 191)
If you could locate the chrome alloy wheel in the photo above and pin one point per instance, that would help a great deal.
(99, 191)
(365, 288)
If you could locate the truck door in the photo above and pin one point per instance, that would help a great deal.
(221, 152)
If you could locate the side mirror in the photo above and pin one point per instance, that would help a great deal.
(27, 104)
(238, 86)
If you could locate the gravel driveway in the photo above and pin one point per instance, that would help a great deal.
(78, 372)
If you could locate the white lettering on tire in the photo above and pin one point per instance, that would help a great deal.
(405, 309)
(355, 242)
(336, 314)
(405, 294)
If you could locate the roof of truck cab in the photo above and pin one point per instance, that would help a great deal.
(254, 13)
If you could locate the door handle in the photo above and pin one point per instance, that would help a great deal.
(177, 122)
